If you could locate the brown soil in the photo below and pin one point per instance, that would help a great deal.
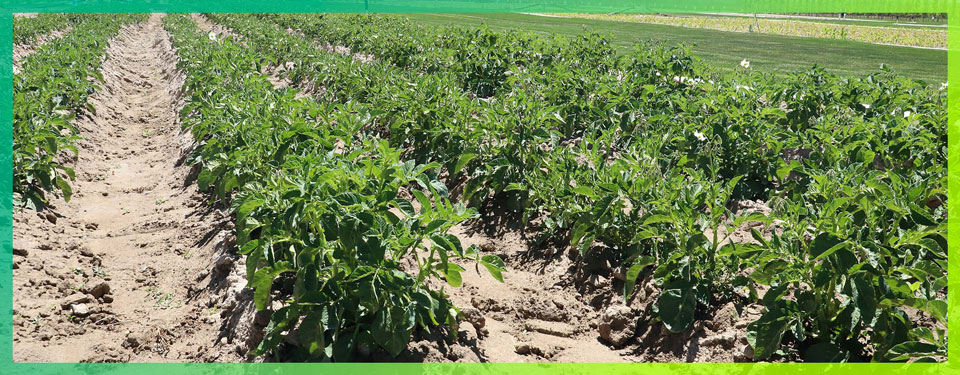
(21, 51)
(128, 269)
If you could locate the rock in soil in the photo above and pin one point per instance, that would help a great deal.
(80, 310)
(617, 325)
(98, 289)
(74, 299)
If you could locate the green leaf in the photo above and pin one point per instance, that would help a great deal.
(585, 191)
(923, 333)
(764, 334)
(263, 281)
(344, 343)
(784, 171)
(632, 273)
(65, 189)
(824, 245)
(758, 237)
(311, 333)
(461, 162)
(657, 218)
(439, 188)
(938, 309)
(911, 349)
(494, 265)
(434, 225)
(677, 306)
(406, 207)
(425, 205)
(204, 179)
(390, 331)
(864, 298)
(453, 275)
(248, 206)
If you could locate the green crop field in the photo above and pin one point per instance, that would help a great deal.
(369, 167)
(773, 53)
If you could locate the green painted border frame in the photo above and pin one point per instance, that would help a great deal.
(8, 7)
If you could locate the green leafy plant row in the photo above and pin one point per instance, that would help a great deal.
(48, 94)
(27, 29)
(481, 59)
(346, 243)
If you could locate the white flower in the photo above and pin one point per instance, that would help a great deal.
(700, 136)
(212, 35)
(907, 114)
(658, 74)
(866, 106)
(676, 79)
(943, 86)
(745, 63)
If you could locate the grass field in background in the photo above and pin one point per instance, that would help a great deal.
(725, 50)
(925, 23)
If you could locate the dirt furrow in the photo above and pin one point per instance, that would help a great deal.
(557, 307)
(274, 74)
(21, 51)
(219, 31)
(331, 48)
(133, 267)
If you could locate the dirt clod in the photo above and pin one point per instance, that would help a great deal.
(73, 299)
(617, 325)
(99, 289)
(80, 309)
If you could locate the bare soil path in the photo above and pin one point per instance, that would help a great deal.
(127, 270)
